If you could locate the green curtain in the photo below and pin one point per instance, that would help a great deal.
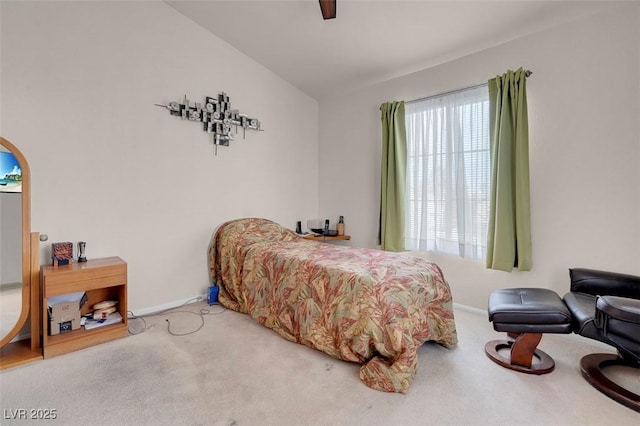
(509, 233)
(393, 177)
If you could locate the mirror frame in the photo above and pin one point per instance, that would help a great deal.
(26, 246)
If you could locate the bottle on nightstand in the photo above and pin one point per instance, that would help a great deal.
(340, 226)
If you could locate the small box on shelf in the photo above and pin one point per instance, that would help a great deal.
(64, 312)
(61, 253)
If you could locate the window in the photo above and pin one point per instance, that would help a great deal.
(448, 173)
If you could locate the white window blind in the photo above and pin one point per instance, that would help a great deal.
(448, 173)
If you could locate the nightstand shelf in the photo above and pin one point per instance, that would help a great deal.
(101, 279)
(316, 237)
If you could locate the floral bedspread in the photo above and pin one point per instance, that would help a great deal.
(361, 305)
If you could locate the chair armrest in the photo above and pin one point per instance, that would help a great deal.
(597, 283)
(620, 308)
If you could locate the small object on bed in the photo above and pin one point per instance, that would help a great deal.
(367, 306)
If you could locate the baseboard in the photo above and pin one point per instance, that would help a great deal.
(586, 341)
(8, 286)
(470, 309)
(167, 306)
(26, 334)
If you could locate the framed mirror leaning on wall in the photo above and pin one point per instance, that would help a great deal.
(19, 262)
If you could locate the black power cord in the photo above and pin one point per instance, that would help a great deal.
(201, 313)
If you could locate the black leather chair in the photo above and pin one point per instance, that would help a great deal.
(605, 306)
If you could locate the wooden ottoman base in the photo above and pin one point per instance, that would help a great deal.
(522, 353)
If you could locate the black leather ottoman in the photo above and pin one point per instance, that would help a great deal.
(525, 314)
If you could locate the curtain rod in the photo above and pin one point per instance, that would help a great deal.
(527, 73)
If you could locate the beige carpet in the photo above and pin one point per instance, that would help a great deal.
(236, 372)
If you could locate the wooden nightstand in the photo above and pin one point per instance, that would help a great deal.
(101, 279)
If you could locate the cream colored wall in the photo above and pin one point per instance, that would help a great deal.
(584, 103)
(79, 84)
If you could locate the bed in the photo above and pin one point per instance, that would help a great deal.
(366, 306)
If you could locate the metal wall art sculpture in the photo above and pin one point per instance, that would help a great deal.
(216, 116)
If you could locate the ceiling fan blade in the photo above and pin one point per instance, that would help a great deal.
(328, 8)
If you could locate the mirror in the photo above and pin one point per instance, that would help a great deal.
(15, 267)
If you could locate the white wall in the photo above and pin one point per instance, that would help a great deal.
(79, 84)
(584, 104)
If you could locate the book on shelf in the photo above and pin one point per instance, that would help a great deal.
(113, 318)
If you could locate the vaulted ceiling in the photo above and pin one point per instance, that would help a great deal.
(371, 40)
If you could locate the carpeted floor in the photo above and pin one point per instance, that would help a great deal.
(234, 371)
